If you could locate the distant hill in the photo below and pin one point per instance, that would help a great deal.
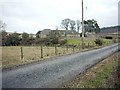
(110, 30)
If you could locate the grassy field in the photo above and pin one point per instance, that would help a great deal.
(11, 55)
(98, 76)
(86, 41)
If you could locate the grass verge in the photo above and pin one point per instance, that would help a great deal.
(97, 76)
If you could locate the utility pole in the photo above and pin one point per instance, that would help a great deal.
(82, 26)
(41, 44)
(56, 37)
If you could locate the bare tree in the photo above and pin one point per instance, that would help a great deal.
(65, 23)
(2, 25)
(72, 25)
(78, 25)
(3, 33)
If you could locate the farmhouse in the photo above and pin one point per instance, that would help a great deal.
(63, 33)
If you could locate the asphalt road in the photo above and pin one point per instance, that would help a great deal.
(55, 72)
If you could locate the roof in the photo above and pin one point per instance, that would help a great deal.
(67, 31)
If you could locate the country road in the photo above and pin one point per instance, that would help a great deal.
(54, 73)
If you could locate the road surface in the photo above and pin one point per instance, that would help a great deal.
(55, 72)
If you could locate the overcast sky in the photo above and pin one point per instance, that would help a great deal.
(33, 15)
(119, 13)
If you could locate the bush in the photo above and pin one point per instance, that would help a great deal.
(108, 37)
(39, 41)
(99, 42)
(63, 42)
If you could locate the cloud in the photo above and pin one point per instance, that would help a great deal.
(119, 13)
(33, 15)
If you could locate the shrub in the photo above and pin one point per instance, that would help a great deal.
(99, 42)
(108, 37)
(62, 42)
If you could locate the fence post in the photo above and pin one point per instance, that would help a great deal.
(88, 45)
(82, 45)
(73, 48)
(107, 43)
(67, 47)
(93, 44)
(55, 49)
(21, 49)
(41, 51)
(79, 46)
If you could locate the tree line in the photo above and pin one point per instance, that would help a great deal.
(14, 39)
(24, 39)
(52, 38)
(89, 25)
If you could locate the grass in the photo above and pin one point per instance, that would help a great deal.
(97, 76)
(79, 41)
(107, 41)
(86, 41)
(11, 55)
(100, 78)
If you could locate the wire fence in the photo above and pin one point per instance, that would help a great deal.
(23, 54)
(37, 52)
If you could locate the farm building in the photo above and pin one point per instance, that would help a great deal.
(63, 33)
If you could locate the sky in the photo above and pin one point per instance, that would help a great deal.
(33, 15)
(119, 13)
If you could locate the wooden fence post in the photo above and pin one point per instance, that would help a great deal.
(55, 49)
(67, 47)
(93, 44)
(73, 48)
(41, 51)
(79, 46)
(107, 43)
(21, 49)
(82, 45)
(88, 45)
